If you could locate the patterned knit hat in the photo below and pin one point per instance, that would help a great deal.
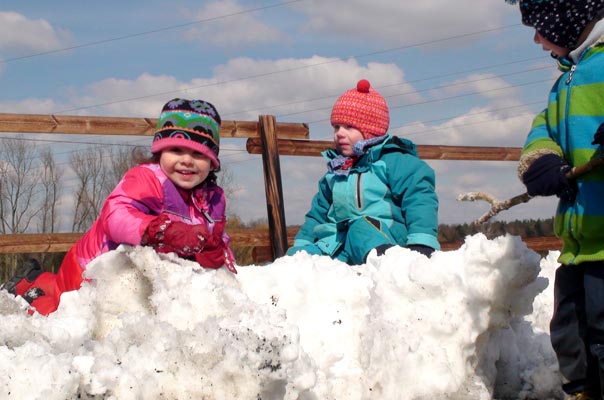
(362, 108)
(194, 124)
(560, 21)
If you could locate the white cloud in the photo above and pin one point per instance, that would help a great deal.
(403, 22)
(488, 85)
(29, 106)
(240, 29)
(304, 93)
(21, 35)
(479, 126)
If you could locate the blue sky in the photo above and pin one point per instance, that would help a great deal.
(462, 72)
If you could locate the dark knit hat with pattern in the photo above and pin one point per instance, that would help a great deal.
(560, 21)
(193, 124)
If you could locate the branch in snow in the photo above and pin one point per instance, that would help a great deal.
(496, 205)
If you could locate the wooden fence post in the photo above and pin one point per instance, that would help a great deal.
(272, 185)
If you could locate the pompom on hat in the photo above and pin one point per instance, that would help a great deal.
(193, 124)
(362, 108)
(560, 21)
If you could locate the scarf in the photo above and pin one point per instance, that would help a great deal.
(341, 164)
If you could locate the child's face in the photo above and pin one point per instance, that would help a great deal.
(185, 167)
(344, 137)
(549, 46)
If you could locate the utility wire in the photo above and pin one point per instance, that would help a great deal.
(271, 73)
(400, 127)
(434, 77)
(167, 28)
(478, 92)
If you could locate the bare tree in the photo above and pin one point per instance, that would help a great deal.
(3, 191)
(51, 176)
(121, 159)
(226, 180)
(98, 169)
(92, 183)
(19, 185)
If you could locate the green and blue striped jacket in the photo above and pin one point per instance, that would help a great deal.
(566, 128)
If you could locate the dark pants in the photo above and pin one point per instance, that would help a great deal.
(577, 326)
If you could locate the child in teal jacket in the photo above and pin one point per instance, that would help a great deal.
(376, 193)
(562, 137)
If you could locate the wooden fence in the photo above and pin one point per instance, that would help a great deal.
(266, 137)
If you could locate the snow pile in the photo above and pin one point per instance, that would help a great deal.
(465, 324)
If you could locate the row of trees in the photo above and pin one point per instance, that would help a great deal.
(35, 199)
(32, 185)
(524, 228)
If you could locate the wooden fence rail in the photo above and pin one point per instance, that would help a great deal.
(259, 239)
(61, 242)
(128, 126)
(313, 148)
(267, 137)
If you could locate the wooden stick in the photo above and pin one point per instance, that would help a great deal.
(498, 206)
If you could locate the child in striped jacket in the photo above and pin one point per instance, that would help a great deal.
(562, 137)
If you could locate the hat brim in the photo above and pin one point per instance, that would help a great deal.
(162, 144)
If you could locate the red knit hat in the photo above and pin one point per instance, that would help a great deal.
(362, 108)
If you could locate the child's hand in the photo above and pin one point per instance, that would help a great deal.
(309, 248)
(547, 176)
(599, 135)
(167, 236)
(215, 256)
(422, 249)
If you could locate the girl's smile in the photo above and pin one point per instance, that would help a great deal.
(185, 167)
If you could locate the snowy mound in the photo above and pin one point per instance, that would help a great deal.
(465, 324)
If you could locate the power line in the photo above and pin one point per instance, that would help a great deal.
(465, 115)
(324, 108)
(92, 143)
(434, 77)
(271, 73)
(439, 130)
(478, 92)
(400, 127)
(224, 151)
(149, 32)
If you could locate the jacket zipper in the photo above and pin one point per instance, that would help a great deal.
(195, 203)
(207, 216)
(570, 75)
(571, 221)
(359, 202)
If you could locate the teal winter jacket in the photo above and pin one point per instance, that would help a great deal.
(566, 128)
(389, 187)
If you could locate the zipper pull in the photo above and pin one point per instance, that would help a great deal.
(570, 76)
(207, 216)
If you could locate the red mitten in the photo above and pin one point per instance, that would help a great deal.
(166, 236)
(216, 255)
(211, 257)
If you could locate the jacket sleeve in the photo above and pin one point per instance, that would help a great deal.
(413, 181)
(538, 143)
(217, 201)
(315, 216)
(131, 206)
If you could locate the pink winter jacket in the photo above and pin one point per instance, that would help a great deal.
(143, 193)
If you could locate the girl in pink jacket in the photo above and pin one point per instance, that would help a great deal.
(170, 202)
